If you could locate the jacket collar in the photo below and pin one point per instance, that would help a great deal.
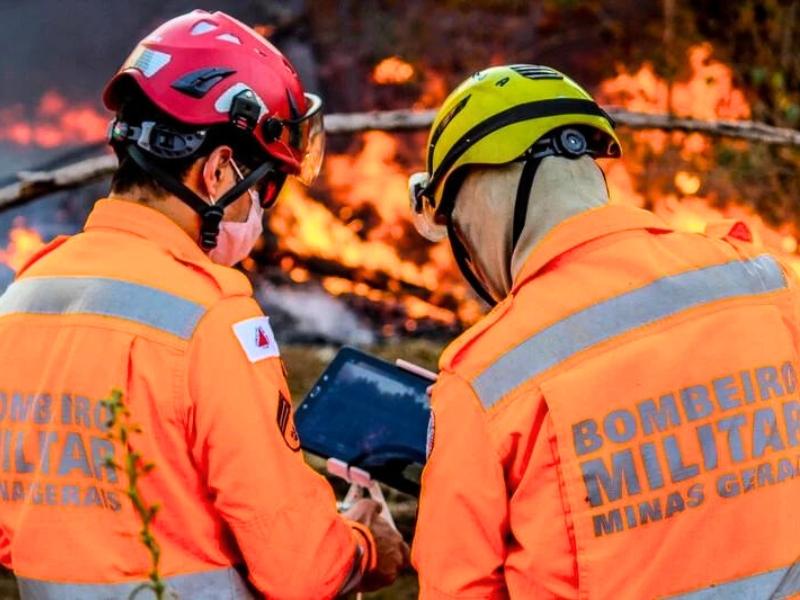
(143, 221)
(582, 228)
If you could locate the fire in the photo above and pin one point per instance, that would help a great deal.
(362, 223)
(414, 307)
(687, 183)
(709, 93)
(359, 218)
(434, 91)
(55, 122)
(23, 243)
(264, 30)
(392, 71)
(367, 229)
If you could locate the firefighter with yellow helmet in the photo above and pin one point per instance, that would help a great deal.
(622, 423)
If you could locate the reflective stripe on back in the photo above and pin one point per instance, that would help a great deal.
(658, 300)
(104, 297)
(220, 584)
(773, 585)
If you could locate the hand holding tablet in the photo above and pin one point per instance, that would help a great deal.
(369, 414)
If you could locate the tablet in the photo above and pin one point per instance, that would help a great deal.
(370, 414)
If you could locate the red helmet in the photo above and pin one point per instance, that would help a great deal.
(207, 69)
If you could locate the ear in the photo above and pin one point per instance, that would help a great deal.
(215, 172)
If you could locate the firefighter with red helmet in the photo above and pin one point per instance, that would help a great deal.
(210, 121)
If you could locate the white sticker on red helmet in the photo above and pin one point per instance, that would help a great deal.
(148, 61)
(203, 27)
(229, 37)
(223, 103)
(256, 337)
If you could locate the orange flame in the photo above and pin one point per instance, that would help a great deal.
(264, 30)
(368, 230)
(392, 71)
(55, 123)
(709, 93)
(23, 243)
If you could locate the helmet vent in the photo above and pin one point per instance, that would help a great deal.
(229, 37)
(203, 27)
(288, 65)
(536, 72)
(198, 83)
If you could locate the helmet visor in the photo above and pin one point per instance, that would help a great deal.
(423, 215)
(306, 136)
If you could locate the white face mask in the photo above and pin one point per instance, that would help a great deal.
(236, 240)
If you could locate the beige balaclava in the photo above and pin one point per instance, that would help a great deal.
(484, 213)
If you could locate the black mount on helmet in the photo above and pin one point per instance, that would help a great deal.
(157, 139)
(245, 110)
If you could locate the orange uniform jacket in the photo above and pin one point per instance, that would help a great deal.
(132, 303)
(625, 424)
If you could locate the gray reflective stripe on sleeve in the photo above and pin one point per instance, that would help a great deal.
(105, 297)
(221, 584)
(769, 586)
(658, 300)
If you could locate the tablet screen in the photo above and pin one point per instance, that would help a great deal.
(368, 413)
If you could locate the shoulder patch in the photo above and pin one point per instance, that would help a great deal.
(256, 337)
(286, 424)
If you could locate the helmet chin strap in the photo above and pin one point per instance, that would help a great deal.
(521, 203)
(460, 254)
(211, 214)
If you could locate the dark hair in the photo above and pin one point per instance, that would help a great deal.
(138, 108)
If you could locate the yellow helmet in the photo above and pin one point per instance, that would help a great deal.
(500, 115)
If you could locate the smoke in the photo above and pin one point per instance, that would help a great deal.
(76, 46)
(309, 314)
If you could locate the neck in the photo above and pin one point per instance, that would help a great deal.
(170, 206)
(561, 189)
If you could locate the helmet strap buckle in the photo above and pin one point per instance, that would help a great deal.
(209, 228)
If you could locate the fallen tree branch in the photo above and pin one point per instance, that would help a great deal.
(31, 185)
(387, 120)
(34, 184)
(745, 130)
(399, 120)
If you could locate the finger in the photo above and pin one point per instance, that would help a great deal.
(367, 507)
